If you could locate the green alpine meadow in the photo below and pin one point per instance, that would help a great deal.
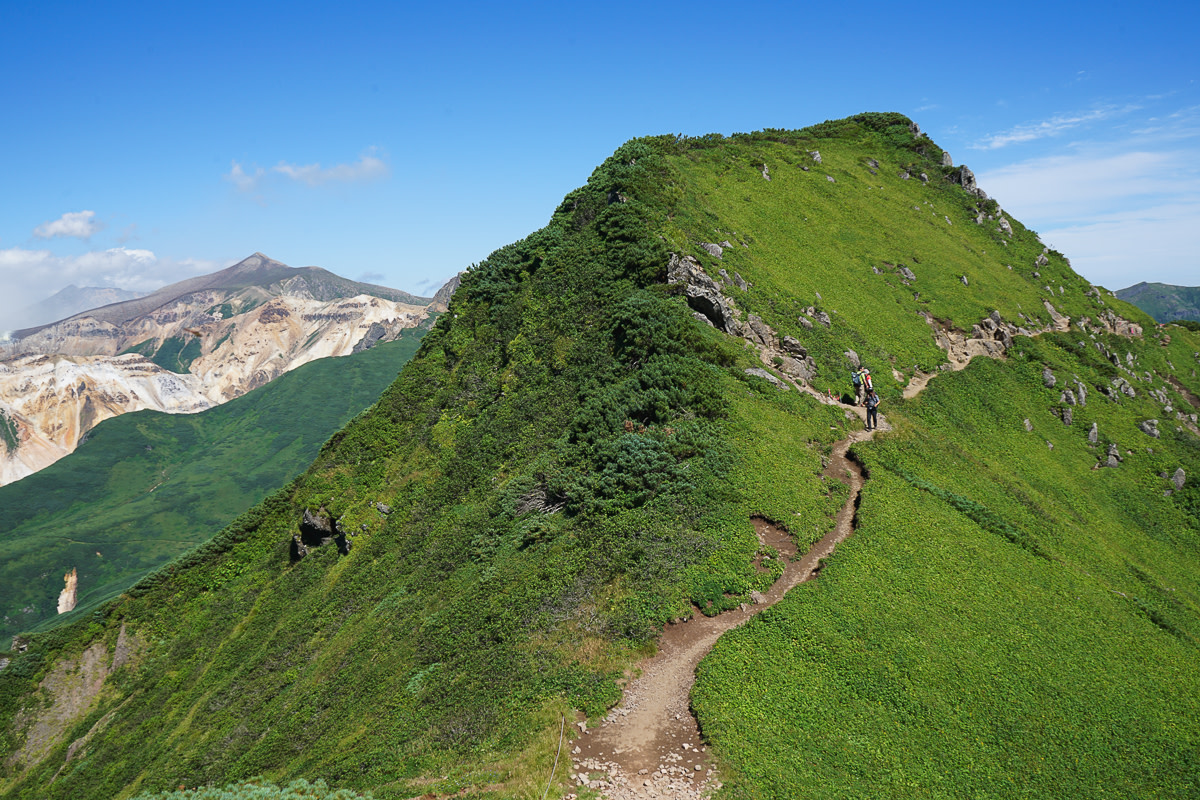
(581, 453)
(146, 487)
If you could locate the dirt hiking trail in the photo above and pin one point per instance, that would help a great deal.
(649, 746)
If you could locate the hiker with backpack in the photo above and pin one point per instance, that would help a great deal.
(861, 378)
(872, 412)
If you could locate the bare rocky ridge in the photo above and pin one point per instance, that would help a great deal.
(240, 328)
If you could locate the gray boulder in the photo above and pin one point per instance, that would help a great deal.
(816, 155)
(1094, 434)
(792, 346)
(802, 368)
(1028, 425)
(1048, 378)
(762, 373)
(1179, 478)
(1068, 397)
(1150, 428)
(947, 161)
(713, 250)
(908, 274)
(760, 332)
(1114, 455)
(852, 357)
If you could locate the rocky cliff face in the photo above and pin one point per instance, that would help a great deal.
(189, 350)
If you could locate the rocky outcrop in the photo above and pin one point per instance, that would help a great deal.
(703, 294)
(762, 373)
(965, 178)
(1149, 427)
(70, 593)
(441, 300)
(317, 529)
(1061, 322)
(712, 307)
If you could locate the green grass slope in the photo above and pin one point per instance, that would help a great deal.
(144, 488)
(572, 459)
(1164, 302)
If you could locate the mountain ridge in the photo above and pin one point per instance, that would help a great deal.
(1164, 302)
(253, 270)
(186, 347)
(576, 456)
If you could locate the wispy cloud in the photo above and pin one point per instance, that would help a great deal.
(1082, 185)
(1122, 211)
(369, 166)
(32, 275)
(1155, 244)
(244, 181)
(76, 224)
(1060, 123)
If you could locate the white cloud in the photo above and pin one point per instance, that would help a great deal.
(244, 181)
(1156, 244)
(1082, 185)
(29, 276)
(368, 167)
(78, 224)
(1122, 213)
(1031, 131)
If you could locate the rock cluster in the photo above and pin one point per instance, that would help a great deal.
(710, 305)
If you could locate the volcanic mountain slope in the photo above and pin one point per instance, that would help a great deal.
(186, 347)
(579, 454)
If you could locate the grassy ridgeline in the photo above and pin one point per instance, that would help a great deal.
(145, 487)
(572, 459)
(939, 654)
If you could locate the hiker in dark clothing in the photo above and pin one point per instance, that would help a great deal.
(872, 412)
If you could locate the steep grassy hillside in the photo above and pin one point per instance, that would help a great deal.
(573, 458)
(1164, 302)
(145, 487)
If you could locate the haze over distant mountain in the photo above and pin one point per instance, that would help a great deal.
(183, 348)
(73, 300)
(1164, 302)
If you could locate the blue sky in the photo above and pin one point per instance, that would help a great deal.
(397, 143)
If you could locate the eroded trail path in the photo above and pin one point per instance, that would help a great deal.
(649, 746)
